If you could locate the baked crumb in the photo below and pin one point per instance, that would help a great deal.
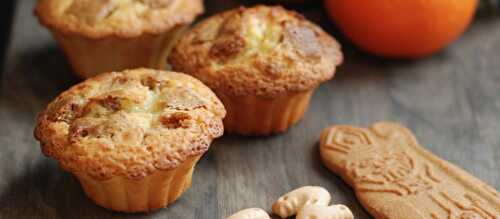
(120, 18)
(138, 118)
(264, 51)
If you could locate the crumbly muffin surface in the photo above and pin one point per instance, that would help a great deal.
(261, 51)
(121, 18)
(130, 124)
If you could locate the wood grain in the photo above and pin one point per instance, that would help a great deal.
(451, 101)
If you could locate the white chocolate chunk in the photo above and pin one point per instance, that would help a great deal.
(325, 212)
(250, 213)
(92, 11)
(290, 203)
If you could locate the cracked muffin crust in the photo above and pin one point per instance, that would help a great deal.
(264, 51)
(264, 63)
(120, 18)
(113, 35)
(130, 124)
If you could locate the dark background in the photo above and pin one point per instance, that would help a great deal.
(5, 22)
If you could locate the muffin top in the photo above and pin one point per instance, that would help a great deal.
(264, 51)
(130, 124)
(120, 18)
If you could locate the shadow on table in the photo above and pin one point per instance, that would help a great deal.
(46, 191)
(42, 192)
(46, 71)
(35, 77)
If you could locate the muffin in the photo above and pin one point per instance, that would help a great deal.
(264, 63)
(132, 138)
(113, 35)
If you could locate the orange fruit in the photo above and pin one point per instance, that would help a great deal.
(402, 28)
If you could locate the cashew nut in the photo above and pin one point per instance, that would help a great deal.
(290, 203)
(250, 213)
(325, 212)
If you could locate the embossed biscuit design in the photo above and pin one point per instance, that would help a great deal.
(394, 177)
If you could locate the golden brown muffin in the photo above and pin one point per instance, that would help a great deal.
(263, 63)
(113, 35)
(132, 138)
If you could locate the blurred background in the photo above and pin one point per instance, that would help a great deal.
(313, 9)
(6, 13)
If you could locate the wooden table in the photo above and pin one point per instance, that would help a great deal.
(451, 101)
